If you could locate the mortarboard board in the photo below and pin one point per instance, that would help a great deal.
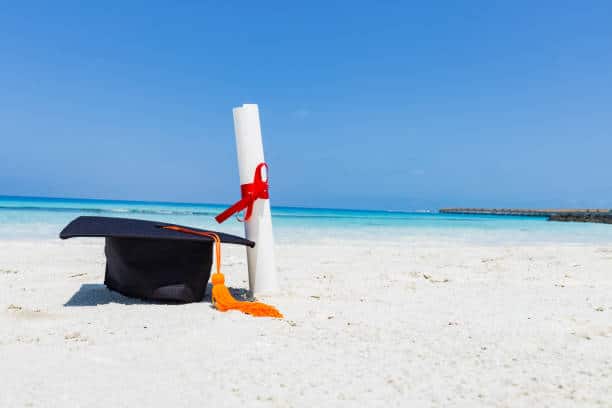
(153, 260)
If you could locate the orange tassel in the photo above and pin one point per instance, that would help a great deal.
(221, 296)
(223, 300)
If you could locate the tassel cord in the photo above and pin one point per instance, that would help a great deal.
(221, 296)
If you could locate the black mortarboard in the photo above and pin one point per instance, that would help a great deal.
(144, 259)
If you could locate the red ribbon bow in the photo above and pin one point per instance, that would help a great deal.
(258, 189)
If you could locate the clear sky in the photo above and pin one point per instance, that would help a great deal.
(389, 105)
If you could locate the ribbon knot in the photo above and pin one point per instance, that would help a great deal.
(250, 192)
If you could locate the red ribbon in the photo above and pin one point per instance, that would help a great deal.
(258, 189)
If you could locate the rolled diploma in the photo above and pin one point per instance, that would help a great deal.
(262, 268)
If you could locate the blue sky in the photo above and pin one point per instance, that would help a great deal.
(389, 105)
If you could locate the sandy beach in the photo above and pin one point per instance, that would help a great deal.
(422, 189)
(366, 324)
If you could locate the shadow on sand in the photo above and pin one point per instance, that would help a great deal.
(96, 294)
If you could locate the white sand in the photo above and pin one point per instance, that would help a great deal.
(434, 324)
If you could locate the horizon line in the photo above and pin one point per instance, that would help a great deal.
(426, 210)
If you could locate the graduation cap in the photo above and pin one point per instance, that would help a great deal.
(163, 262)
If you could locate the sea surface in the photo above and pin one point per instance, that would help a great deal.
(43, 218)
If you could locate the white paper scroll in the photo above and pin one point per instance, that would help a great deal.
(263, 277)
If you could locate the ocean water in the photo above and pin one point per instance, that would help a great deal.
(43, 218)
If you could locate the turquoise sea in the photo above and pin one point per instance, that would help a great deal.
(43, 218)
